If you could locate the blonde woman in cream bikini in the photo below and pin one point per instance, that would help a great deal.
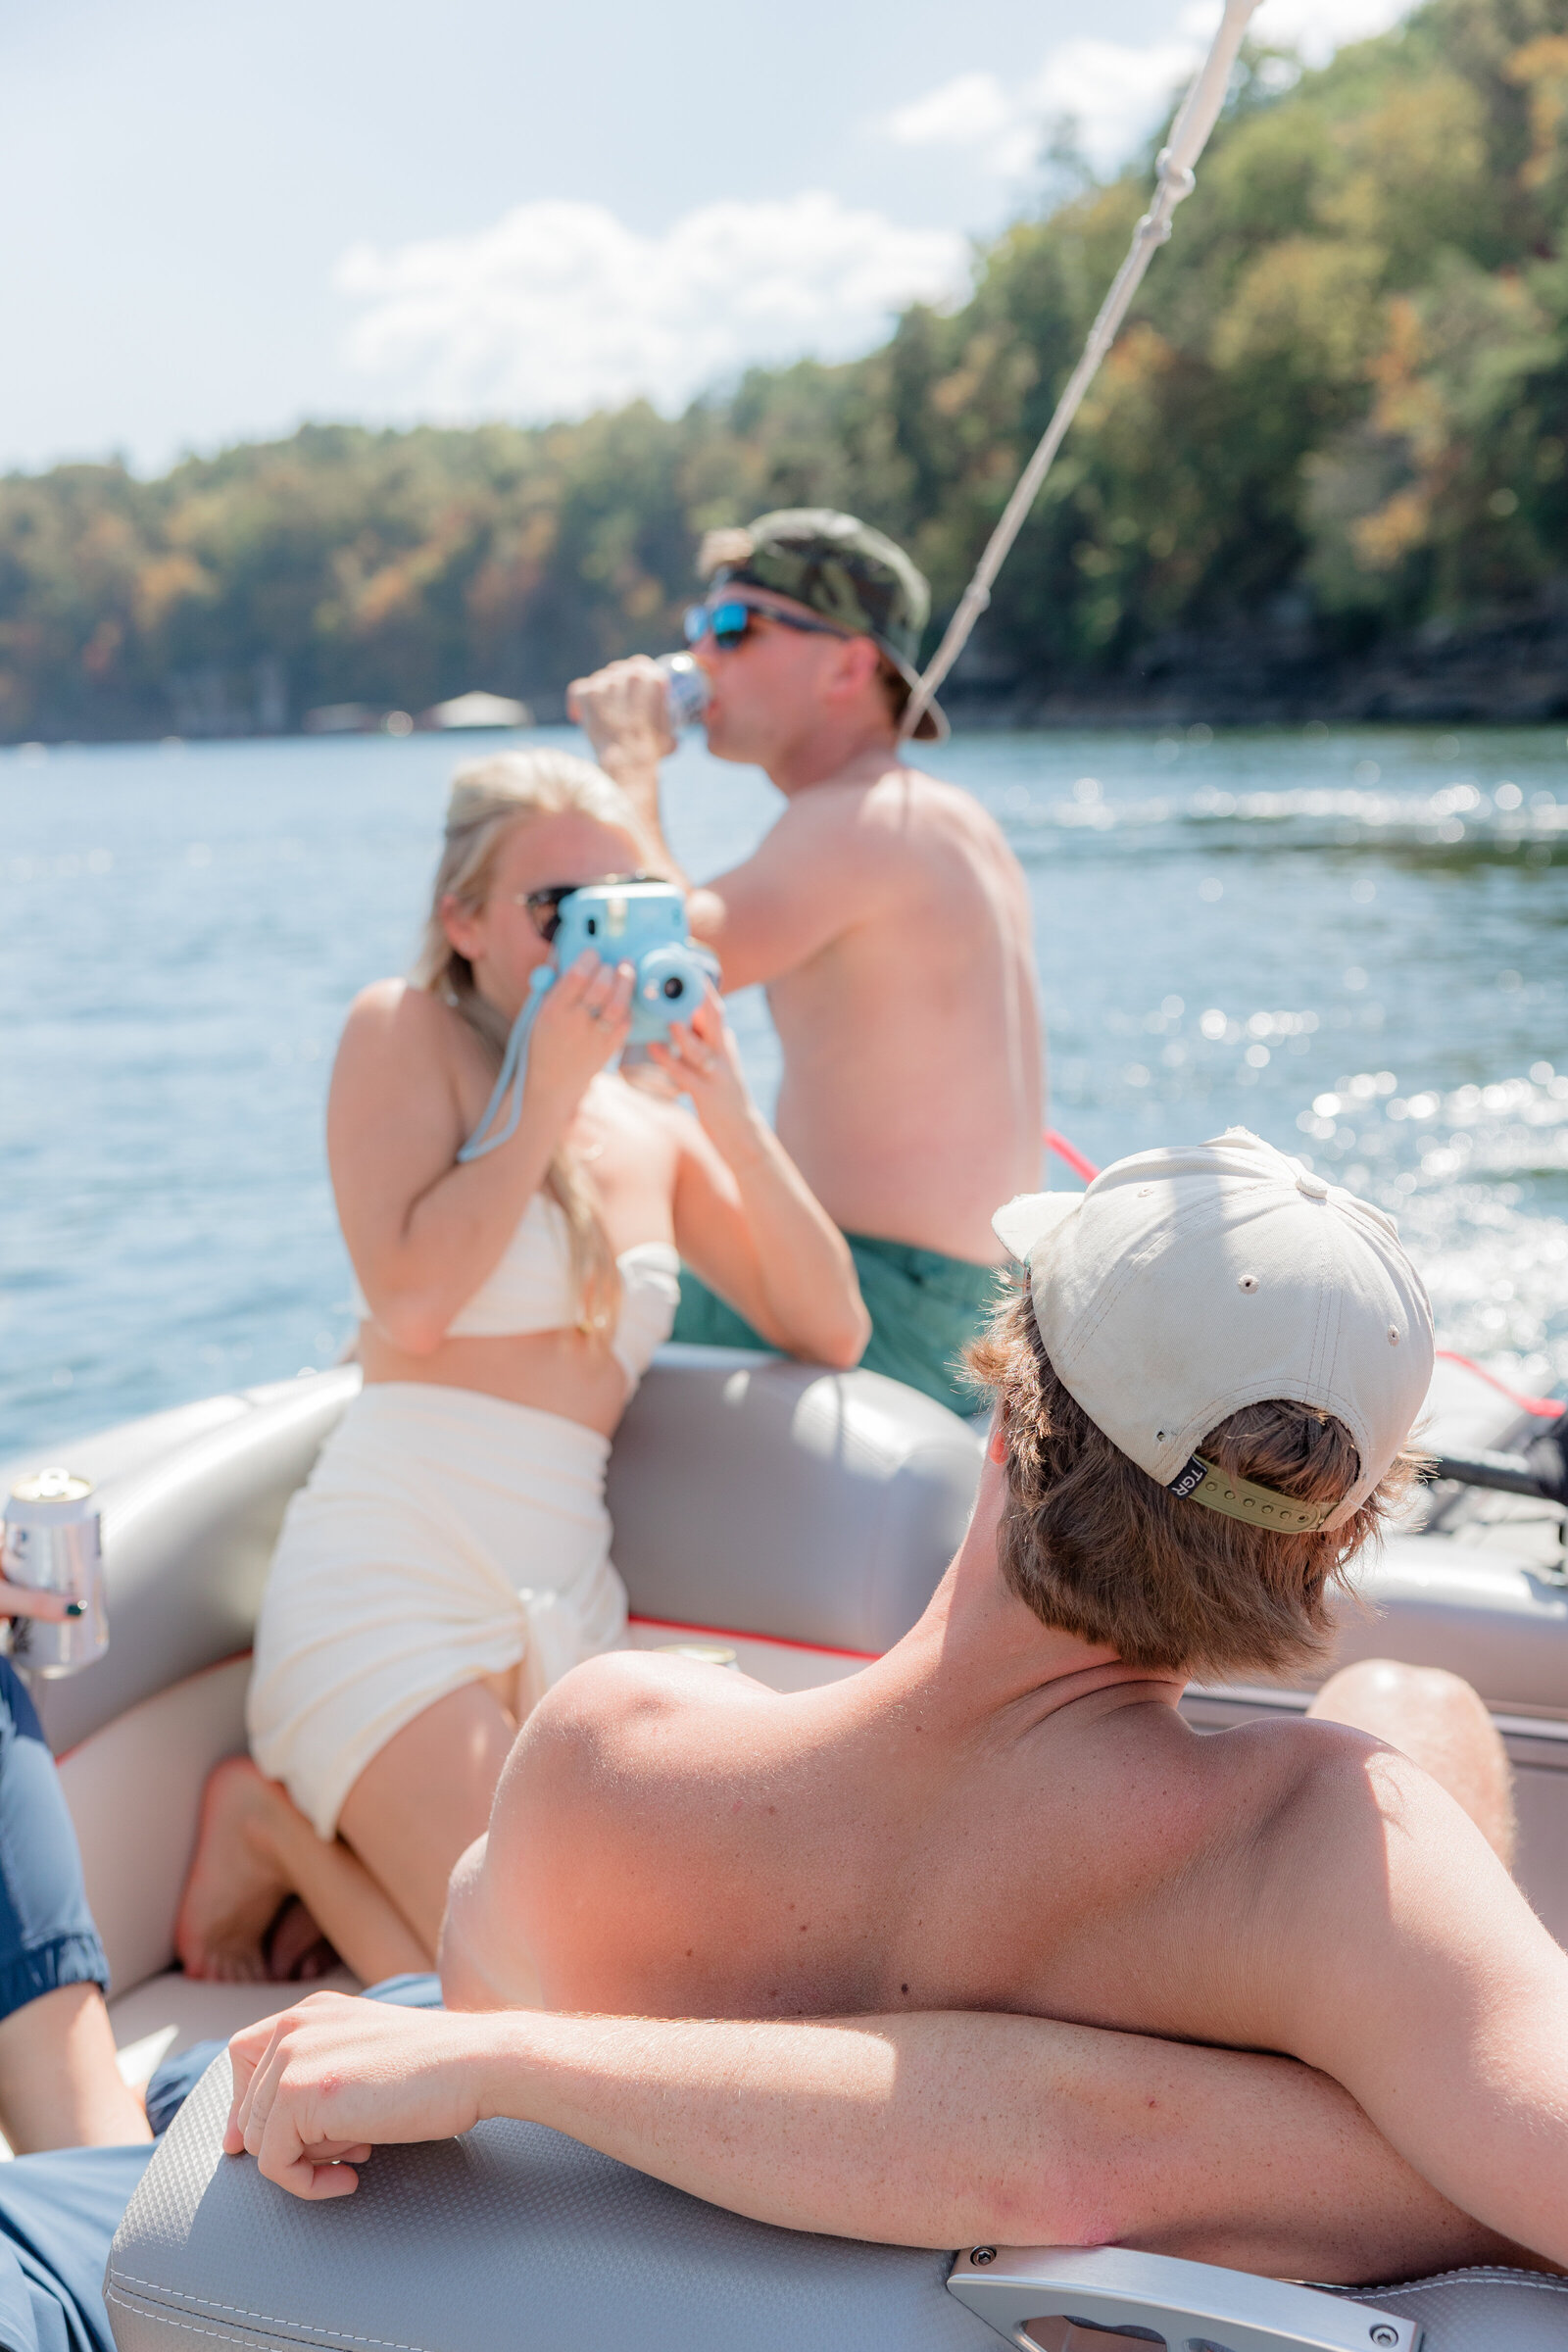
(448, 1558)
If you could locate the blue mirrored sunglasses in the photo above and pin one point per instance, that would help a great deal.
(731, 620)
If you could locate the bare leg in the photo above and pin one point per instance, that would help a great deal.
(60, 2086)
(408, 1817)
(255, 1848)
(1438, 1722)
(422, 1801)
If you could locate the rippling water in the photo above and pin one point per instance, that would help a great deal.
(1353, 942)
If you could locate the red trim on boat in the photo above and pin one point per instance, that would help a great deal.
(728, 1633)
(1547, 1409)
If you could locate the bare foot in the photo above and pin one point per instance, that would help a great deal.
(235, 1889)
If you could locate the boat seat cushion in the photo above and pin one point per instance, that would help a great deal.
(768, 1497)
(511, 2239)
(516, 2239)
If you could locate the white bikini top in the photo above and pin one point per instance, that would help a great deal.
(531, 1289)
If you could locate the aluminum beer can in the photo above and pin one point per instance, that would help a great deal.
(687, 689)
(52, 1542)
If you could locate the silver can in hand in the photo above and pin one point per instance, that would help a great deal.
(687, 689)
(52, 1543)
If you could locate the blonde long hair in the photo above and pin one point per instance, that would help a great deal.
(486, 801)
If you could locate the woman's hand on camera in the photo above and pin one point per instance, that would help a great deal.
(703, 1060)
(584, 1021)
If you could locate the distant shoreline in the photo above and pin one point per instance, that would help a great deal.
(1505, 670)
(1509, 670)
(1249, 689)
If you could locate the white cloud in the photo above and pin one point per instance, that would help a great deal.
(962, 113)
(1317, 28)
(1114, 92)
(558, 308)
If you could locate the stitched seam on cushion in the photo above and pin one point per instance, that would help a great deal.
(267, 2319)
(1471, 2274)
(143, 2311)
(166, 2318)
(163, 2318)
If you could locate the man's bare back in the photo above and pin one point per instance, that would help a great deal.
(911, 1039)
(841, 1851)
(995, 1817)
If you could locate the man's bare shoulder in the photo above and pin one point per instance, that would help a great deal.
(1218, 1793)
(898, 809)
(915, 788)
(1293, 1777)
(1332, 1765)
(1260, 1803)
(1345, 1824)
(627, 1698)
(1242, 1855)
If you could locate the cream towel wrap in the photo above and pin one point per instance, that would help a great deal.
(442, 1536)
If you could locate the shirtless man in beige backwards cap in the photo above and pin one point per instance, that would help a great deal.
(967, 1919)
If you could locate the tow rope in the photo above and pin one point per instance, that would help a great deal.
(1070, 1155)
(1174, 169)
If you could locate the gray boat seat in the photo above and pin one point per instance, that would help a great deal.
(516, 2239)
(767, 1496)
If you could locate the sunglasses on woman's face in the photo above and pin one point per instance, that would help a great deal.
(544, 906)
(730, 623)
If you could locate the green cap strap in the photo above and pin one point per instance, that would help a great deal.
(1241, 1498)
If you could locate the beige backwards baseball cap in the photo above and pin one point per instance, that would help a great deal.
(1187, 1283)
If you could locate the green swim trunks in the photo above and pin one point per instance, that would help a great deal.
(925, 1307)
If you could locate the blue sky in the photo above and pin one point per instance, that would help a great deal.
(222, 217)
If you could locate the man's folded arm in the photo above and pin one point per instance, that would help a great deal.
(947, 2128)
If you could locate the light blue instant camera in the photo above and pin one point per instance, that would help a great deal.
(640, 923)
(643, 925)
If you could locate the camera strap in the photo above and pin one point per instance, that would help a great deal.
(513, 1076)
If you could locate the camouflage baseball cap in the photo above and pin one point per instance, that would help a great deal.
(841, 568)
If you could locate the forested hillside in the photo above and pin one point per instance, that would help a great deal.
(1337, 418)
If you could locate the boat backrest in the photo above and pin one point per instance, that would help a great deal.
(516, 2239)
(769, 1497)
(747, 1493)
(1494, 1616)
(191, 1505)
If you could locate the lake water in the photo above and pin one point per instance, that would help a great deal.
(1353, 942)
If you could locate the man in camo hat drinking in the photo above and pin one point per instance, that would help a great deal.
(884, 913)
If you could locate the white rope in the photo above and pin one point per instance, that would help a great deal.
(1189, 137)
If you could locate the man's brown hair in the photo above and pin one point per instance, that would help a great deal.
(1100, 1550)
